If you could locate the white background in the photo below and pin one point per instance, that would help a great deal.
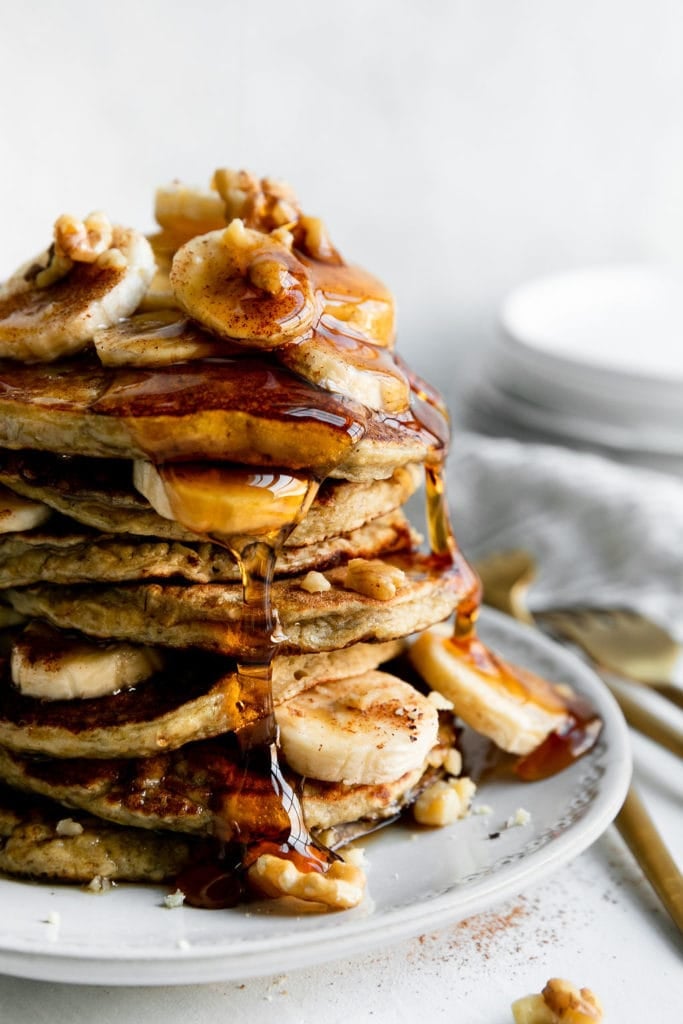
(455, 149)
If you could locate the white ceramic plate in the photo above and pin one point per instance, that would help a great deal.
(622, 320)
(417, 880)
(596, 352)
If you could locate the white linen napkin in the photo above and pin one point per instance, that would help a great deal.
(604, 535)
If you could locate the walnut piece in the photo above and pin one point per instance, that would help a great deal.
(264, 204)
(68, 827)
(339, 888)
(315, 583)
(561, 1002)
(374, 578)
(264, 258)
(83, 240)
(453, 762)
(444, 802)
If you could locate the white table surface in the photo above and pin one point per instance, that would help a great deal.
(596, 922)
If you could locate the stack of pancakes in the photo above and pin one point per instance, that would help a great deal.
(181, 419)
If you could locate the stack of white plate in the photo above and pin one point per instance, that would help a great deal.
(593, 359)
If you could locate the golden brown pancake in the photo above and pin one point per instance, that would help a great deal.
(99, 493)
(67, 556)
(207, 616)
(194, 696)
(174, 791)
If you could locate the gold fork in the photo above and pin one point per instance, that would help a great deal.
(622, 642)
(505, 580)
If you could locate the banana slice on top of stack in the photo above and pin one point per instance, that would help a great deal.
(206, 444)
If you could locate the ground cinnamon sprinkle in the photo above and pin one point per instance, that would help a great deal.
(482, 930)
(485, 936)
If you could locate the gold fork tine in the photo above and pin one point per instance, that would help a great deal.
(622, 642)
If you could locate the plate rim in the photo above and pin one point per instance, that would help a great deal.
(631, 380)
(353, 936)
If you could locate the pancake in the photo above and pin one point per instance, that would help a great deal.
(241, 411)
(192, 697)
(99, 493)
(67, 556)
(34, 845)
(175, 791)
(208, 616)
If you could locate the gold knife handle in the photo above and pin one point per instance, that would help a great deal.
(645, 843)
(644, 721)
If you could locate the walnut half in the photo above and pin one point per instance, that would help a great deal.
(561, 1002)
(339, 888)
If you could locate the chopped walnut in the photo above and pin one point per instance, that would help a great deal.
(374, 578)
(68, 827)
(112, 259)
(561, 1002)
(315, 583)
(444, 802)
(340, 887)
(519, 819)
(270, 275)
(57, 267)
(316, 241)
(264, 204)
(75, 241)
(99, 884)
(264, 259)
(174, 899)
(453, 762)
(83, 240)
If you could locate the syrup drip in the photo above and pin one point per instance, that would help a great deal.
(561, 748)
(262, 813)
(582, 726)
(444, 548)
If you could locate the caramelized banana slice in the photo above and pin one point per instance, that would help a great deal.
(156, 338)
(513, 707)
(245, 285)
(220, 500)
(52, 308)
(342, 362)
(186, 211)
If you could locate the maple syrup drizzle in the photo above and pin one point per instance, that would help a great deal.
(582, 726)
(263, 812)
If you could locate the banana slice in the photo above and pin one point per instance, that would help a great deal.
(47, 665)
(47, 313)
(246, 285)
(354, 298)
(339, 361)
(186, 211)
(17, 513)
(366, 730)
(513, 707)
(157, 338)
(214, 500)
